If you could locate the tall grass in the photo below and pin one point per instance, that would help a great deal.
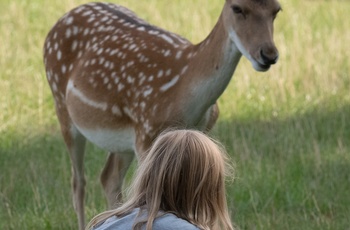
(287, 130)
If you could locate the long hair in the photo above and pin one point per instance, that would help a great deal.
(183, 173)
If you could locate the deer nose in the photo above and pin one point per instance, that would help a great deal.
(269, 57)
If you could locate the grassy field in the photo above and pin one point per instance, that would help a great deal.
(288, 130)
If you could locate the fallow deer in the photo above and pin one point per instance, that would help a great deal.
(118, 81)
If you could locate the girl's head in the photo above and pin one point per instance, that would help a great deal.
(183, 173)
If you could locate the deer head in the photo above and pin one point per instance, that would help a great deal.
(250, 27)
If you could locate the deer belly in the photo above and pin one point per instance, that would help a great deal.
(117, 141)
(99, 125)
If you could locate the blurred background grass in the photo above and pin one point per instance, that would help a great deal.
(287, 130)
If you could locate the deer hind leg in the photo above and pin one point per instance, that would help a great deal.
(75, 142)
(113, 174)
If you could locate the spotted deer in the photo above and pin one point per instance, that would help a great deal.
(118, 81)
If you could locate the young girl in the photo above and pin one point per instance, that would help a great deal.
(180, 184)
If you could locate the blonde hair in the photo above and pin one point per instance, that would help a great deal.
(184, 174)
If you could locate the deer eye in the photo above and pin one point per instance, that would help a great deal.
(237, 9)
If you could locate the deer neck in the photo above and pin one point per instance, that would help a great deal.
(214, 61)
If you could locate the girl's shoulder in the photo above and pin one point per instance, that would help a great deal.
(166, 221)
(172, 222)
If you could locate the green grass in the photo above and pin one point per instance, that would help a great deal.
(287, 130)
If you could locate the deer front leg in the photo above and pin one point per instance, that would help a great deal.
(112, 176)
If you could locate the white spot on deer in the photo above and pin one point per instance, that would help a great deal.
(69, 20)
(75, 30)
(113, 52)
(100, 51)
(147, 127)
(114, 38)
(48, 75)
(143, 105)
(125, 46)
(190, 55)
(54, 87)
(105, 18)
(86, 31)
(132, 46)
(167, 53)
(178, 54)
(87, 13)
(167, 38)
(168, 72)
(122, 68)
(160, 73)
(71, 66)
(48, 45)
(148, 92)
(100, 28)
(121, 55)
(130, 80)
(74, 45)
(116, 110)
(64, 69)
(59, 55)
(107, 64)
(141, 75)
(170, 84)
(142, 80)
(153, 32)
(98, 8)
(68, 33)
(79, 10)
(91, 19)
(184, 69)
(88, 44)
(130, 63)
(120, 87)
(150, 78)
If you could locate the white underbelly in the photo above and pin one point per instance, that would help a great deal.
(118, 141)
